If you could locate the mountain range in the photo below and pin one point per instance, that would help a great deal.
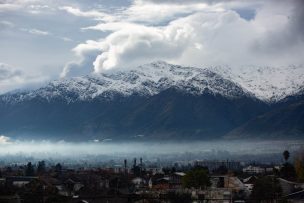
(161, 101)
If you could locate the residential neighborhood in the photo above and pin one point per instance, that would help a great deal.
(200, 181)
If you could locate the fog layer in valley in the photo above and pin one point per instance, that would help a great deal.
(98, 152)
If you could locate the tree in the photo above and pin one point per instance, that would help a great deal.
(299, 167)
(196, 178)
(29, 170)
(266, 188)
(58, 167)
(286, 155)
(41, 167)
(288, 171)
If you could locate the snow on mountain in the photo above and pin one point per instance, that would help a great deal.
(146, 80)
(269, 84)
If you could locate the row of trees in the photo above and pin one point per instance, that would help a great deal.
(41, 168)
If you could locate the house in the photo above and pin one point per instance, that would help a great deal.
(19, 181)
(175, 180)
(221, 195)
(224, 181)
(253, 170)
(234, 183)
(139, 182)
(161, 183)
(249, 182)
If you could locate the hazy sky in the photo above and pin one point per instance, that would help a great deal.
(41, 40)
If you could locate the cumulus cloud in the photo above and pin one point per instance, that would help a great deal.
(87, 54)
(199, 33)
(194, 32)
(286, 35)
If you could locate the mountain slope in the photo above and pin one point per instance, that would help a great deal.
(156, 100)
(176, 114)
(284, 122)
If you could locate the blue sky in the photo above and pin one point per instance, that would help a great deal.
(42, 40)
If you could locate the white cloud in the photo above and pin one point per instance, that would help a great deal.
(4, 140)
(45, 33)
(13, 5)
(8, 7)
(12, 78)
(87, 54)
(34, 31)
(98, 15)
(196, 33)
(145, 11)
(38, 32)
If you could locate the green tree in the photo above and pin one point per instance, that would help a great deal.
(29, 170)
(196, 178)
(286, 155)
(41, 167)
(266, 189)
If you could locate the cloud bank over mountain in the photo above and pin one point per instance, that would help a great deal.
(195, 33)
(74, 38)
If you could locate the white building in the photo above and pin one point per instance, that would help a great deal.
(253, 169)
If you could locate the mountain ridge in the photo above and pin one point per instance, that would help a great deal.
(156, 100)
(146, 80)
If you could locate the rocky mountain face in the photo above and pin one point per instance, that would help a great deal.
(152, 101)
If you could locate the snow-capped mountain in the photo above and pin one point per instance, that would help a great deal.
(270, 84)
(160, 101)
(147, 80)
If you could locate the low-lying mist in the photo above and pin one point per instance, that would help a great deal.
(99, 152)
